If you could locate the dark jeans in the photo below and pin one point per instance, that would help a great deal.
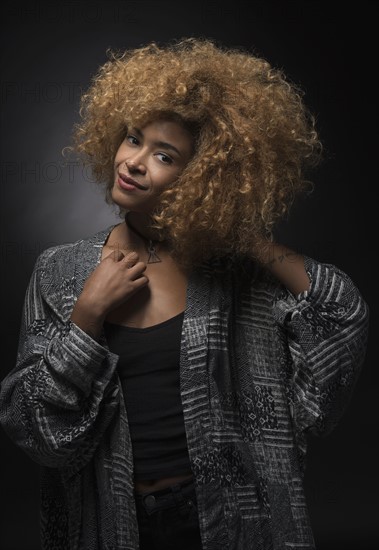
(168, 519)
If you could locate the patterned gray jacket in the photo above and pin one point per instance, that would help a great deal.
(259, 368)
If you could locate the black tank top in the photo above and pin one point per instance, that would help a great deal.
(148, 367)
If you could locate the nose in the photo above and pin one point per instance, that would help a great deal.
(135, 163)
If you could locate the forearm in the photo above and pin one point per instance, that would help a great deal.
(286, 265)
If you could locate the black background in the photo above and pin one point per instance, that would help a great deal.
(50, 52)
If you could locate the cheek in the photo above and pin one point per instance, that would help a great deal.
(120, 155)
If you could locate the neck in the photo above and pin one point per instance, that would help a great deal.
(140, 228)
(142, 224)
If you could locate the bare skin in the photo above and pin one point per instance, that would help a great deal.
(165, 294)
(284, 263)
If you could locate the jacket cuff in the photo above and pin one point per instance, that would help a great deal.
(79, 359)
(286, 303)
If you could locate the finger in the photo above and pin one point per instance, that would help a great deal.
(137, 270)
(116, 255)
(131, 259)
(140, 281)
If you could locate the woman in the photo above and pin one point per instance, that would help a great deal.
(171, 366)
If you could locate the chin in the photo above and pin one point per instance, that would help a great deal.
(128, 204)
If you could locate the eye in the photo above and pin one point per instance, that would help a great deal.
(129, 136)
(166, 160)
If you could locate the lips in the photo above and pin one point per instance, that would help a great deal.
(128, 183)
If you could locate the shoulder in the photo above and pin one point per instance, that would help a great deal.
(62, 259)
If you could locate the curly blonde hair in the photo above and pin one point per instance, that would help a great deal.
(254, 138)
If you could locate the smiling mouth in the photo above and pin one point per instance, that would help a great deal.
(131, 182)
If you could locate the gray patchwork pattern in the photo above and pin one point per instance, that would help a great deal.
(259, 368)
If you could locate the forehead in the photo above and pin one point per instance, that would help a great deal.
(164, 126)
(166, 130)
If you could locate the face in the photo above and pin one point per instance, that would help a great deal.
(148, 161)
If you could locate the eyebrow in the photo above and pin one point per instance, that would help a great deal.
(163, 144)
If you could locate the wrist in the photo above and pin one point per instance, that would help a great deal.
(271, 254)
(87, 318)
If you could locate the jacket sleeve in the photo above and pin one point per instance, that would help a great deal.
(326, 329)
(59, 399)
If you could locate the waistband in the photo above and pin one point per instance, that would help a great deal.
(180, 495)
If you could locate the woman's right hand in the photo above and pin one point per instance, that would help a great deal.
(113, 282)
